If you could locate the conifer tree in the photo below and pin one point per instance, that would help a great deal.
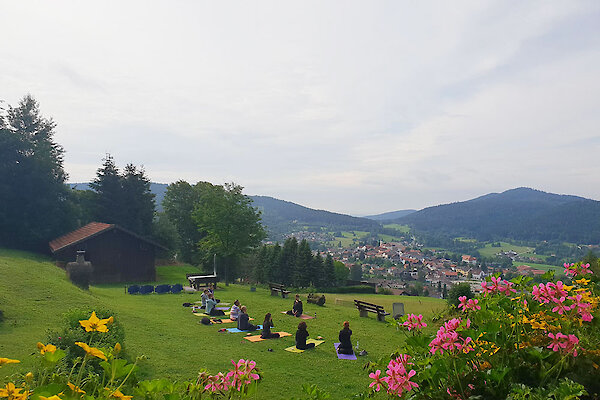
(259, 269)
(329, 271)
(303, 265)
(109, 195)
(318, 277)
(287, 264)
(273, 272)
(35, 204)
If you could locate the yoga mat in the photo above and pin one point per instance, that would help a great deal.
(228, 321)
(257, 338)
(222, 308)
(293, 349)
(221, 303)
(303, 316)
(212, 316)
(344, 356)
(236, 330)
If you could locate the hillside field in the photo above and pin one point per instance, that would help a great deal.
(489, 251)
(35, 294)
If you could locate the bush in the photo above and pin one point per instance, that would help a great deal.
(72, 332)
(462, 289)
(516, 341)
(80, 275)
(383, 290)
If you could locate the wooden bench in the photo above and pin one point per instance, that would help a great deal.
(365, 308)
(196, 281)
(277, 288)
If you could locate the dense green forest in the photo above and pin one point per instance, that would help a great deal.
(521, 214)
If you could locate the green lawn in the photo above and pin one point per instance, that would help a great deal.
(398, 227)
(489, 251)
(35, 294)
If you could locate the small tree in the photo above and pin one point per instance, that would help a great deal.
(462, 289)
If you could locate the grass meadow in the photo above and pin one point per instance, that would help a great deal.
(34, 295)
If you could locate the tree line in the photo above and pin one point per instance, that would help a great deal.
(36, 204)
(294, 264)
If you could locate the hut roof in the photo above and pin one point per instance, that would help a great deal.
(88, 231)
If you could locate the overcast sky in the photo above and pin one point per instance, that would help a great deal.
(354, 107)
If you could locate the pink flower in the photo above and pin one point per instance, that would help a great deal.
(377, 381)
(498, 286)
(470, 304)
(561, 307)
(449, 340)
(574, 270)
(414, 322)
(564, 343)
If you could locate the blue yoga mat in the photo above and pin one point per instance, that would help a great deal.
(236, 330)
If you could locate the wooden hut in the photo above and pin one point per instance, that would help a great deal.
(116, 254)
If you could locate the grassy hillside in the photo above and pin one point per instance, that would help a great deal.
(35, 294)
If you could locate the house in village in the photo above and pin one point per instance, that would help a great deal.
(116, 254)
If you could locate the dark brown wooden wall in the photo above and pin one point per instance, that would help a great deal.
(116, 257)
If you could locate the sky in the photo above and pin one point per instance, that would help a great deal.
(358, 107)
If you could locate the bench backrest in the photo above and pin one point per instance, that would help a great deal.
(276, 286)
(368, 306)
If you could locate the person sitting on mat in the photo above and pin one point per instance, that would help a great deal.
(345, 346)
(244, 321)
(296, 310)
(235, 311)
(266, 331)
(301, 336)
(204, 296)
(210, 307)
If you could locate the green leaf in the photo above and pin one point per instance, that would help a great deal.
(46, 390)
(55, 356)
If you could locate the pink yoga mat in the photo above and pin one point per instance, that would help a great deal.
(344, 356)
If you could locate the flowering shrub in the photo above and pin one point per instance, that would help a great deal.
(516, 340)
(57, 379)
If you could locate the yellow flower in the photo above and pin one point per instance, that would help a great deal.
(29, 377)
(92, 350)
(49, 348)
(567, 288)
(118, 395)
(75, 389)
(55, 397)
(12, 393)
(582, 281)
(94, 324)
(7, 361)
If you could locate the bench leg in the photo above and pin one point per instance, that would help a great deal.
(274, 293)
(363, 313)
(284, 295)
(381, 317)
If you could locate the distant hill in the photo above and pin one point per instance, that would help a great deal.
(282, 217)
(522, 213)
(388, 216)
(159, 190)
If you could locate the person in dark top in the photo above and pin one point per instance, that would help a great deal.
(345, 346)
(301, 336)
(296, 310)
(244, 321)
(210, 307)
(266, 330)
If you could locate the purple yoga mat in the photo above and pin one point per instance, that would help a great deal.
(344, 356)
(222, 308)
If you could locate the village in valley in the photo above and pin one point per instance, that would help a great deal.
(407, 268)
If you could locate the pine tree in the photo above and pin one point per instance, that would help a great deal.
(262, 259)
(329, 271)
(138, 200)
(109, 194)
(35, 204)
(303, 267)
(273, 273)
(318, 277)
(287, 263)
